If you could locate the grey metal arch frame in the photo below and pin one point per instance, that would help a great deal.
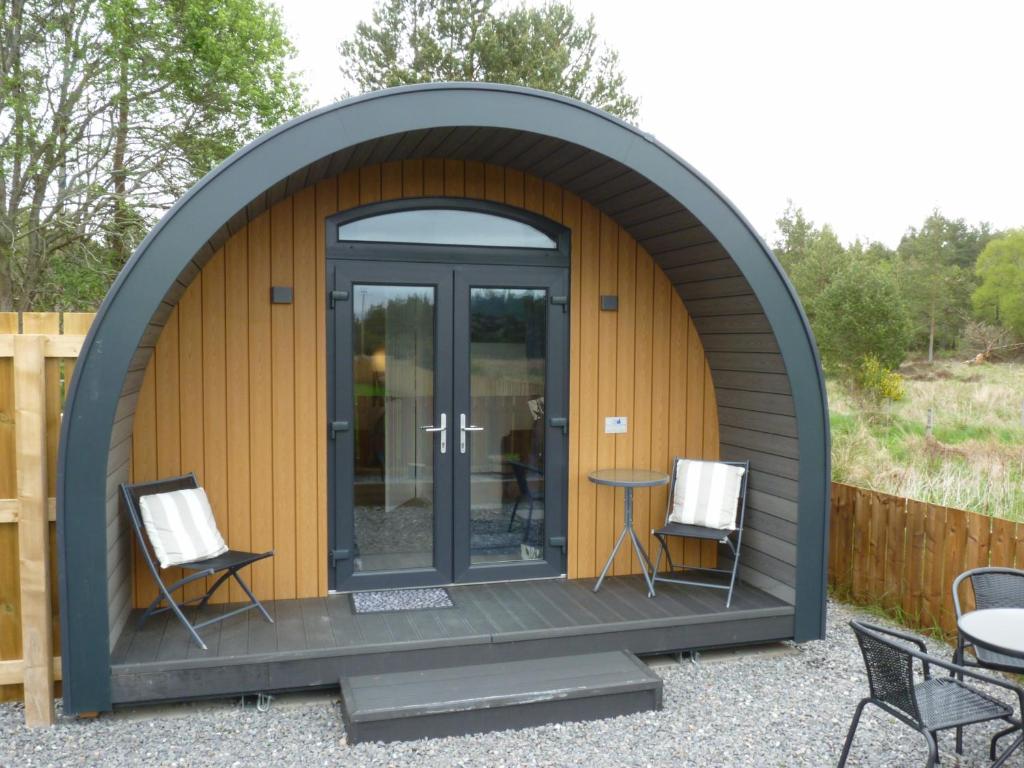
(619, 163)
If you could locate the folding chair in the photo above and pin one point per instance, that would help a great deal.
(683, 530)
(230, 562)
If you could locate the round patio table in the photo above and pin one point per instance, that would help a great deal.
(997, 629)
(1000, 630)
(628, 479)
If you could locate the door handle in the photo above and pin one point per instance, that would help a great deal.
(463, 429)
(443, 429)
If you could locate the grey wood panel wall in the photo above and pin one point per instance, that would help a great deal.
(756, 413)
(118, 538)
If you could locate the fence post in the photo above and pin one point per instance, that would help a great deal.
(33, 528)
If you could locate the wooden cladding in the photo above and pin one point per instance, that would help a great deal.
(236, 390)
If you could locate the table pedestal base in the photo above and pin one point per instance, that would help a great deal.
(627, 530)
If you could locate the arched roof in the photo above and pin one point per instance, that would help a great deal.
(722, 269)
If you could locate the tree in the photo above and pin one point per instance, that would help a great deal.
(811, 256)
(861, 315)
(1000, 268)
(109, 109)
(419, 41)
(935, 272)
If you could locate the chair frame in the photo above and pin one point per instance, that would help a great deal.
(913, 719)
(231, 562)
(725, 537)
(521, 473)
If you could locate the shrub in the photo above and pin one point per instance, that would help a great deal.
(861, 314)
(879, 382)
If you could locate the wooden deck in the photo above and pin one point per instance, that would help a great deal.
(316, 640)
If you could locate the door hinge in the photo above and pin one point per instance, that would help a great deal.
(334, 427)
(337, 296)
(560, 301)
(557, 541)
(560, 421)
(337, 555)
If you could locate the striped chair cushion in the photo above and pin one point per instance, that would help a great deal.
(706, 494)
(180, 526)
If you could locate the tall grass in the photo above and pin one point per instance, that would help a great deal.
(974, 457)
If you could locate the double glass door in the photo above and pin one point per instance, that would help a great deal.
(447, 414)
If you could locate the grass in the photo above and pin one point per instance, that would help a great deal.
(974, 457)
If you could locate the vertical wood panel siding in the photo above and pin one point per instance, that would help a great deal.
(237, 388)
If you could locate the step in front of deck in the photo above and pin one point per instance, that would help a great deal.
(454, 701)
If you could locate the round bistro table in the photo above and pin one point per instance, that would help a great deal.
(997, 629)
(1000, 630)
(628, 479)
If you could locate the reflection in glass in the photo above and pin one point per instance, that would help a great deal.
(445, 227)
(508, 335)
(393, 372)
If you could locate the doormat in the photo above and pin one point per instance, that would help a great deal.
(387, 600)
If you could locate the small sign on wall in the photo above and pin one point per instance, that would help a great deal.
(615, 425)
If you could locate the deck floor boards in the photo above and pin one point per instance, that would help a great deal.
(317, 623)
(291, 635)
(262, 634)
(313, 639)
(234, 636)
(481, 610)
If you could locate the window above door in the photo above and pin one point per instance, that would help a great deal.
(452, 230)
(445, 227)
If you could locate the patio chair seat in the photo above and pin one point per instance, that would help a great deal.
(692, 531)
(233, 558)
(1000, 661)
(945, 702)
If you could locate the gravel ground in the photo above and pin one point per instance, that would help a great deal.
(786, 707)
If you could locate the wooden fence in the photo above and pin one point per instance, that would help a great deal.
(37, 358)
(903, 555)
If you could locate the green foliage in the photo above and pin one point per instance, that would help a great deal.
(929, 275)
(860, 315)
(813, 256)
(879, 382)
(813, 270)
(934, 270)
(1000, 268)
(109, 110)
(546, 47)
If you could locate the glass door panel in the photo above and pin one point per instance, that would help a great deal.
(390, 485)
(510, 463)
(507, 354)
(393, 386)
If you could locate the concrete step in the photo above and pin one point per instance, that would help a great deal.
(401, 706)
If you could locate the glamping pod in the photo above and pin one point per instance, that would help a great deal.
(392, 339)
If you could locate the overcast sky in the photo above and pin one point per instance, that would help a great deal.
(867, 115)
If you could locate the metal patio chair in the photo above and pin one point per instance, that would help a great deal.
(992, 588)
(527, 495)
(929, 704)
(230, 562)
(731, 538)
